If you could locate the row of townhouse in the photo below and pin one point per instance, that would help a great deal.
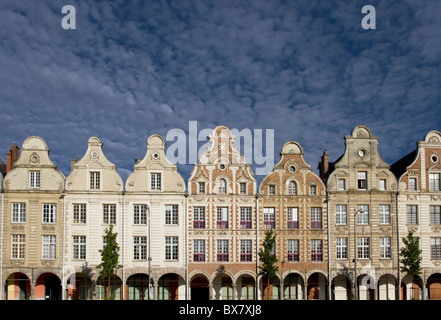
(338, 232)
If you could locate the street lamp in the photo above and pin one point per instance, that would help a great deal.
(355, 254)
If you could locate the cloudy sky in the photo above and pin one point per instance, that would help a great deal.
(305, 70)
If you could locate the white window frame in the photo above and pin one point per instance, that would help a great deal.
(79, 247)
(49, 213)
(155, 181)
(95, 179)
(48, 247)
(18, 246)
(341, 248)
(18, 212)
(384, 214)
(140, 214)
(171, 248)
(34, 179)
(341, 214)
(385, 248)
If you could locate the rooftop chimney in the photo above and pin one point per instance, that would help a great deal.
(324, 165)
(12, 157)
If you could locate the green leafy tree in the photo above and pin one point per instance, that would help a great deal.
(411, 255)
(109, 258)
(268, 260)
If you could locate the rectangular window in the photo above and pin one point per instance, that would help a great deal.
(222, 250)
(341, 184)
(49, 213)
(269, 218)
(243, 188)
(435, 248)
(171, 248)
(140, 248)
(362, 180)
(140, 214)
(171, 214)
(384, 213)
(222, 218)
(79, 215)
(342, 248)
(199, 250)
(341, 214)
(316, 250)
(412, 184)
(79, 247)
(201, 187)
(293, 250)
(95, 180)
(363, 217)
(109, 213)
(49, 247)
(199, 217)
(19, 212)
(155, 181)
(245, 217)
(271, 189)
(412, 214)
(313, 190)
(363, 248)
(382, 184)
(293, 218)
(34, 179)
(435, 214)
(17, 246)
(245, 250)
(316, 218)
(385, 248)
(434, 182)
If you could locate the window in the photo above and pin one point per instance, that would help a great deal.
(412, 184)
(171, 248)
(139, 214)
(155, 181)
(363, 248)
(435, 248)
(199, 217)
(199, 250)
(412, 214)
(292, 188)
(313, 190)
(49, 247)
(382, 184)
(201, 187)
(19, 212)
(316, 250)
(269, 218)
(293, 250)
(341, 184)
(79, 213)
(435, 214)
(342, 248)
(79, 247)
(222, 218)
(104, 242)
(140, 248)
(94, 180)
(362, 180)
(222, 250)
(243, 188)
(34, 179)
(222, 186)
(17, 246)
(434, 182)
(245, 250)
(271, 189)
(363, 217)
(109, 213)
(293, 218)
(49, 213)
(384, 213)
(245, 217)
(385, 248)
(316, 218)
(341, 214)
(171, 214)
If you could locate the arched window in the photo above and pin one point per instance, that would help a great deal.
(292, 188)
(222, 186)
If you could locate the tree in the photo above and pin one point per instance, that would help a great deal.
(109, 258)
(411, 255)
(268, 260)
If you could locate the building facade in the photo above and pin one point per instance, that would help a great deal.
(419, 212)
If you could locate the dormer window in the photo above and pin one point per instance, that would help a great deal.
(95, 180)
(155, 181)
(201, 187)
(222, 188)
(362, 180)
(292, 188)
(34, 179)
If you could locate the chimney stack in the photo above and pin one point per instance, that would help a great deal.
(72, 163)
(12, 157)
(324, 165)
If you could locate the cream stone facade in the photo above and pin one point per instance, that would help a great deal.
(362, 222)
(420, 212)
(32, 225)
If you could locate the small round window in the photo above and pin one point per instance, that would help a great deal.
(222, 166)
(156, 155)
(434, 158)
(292, 169)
